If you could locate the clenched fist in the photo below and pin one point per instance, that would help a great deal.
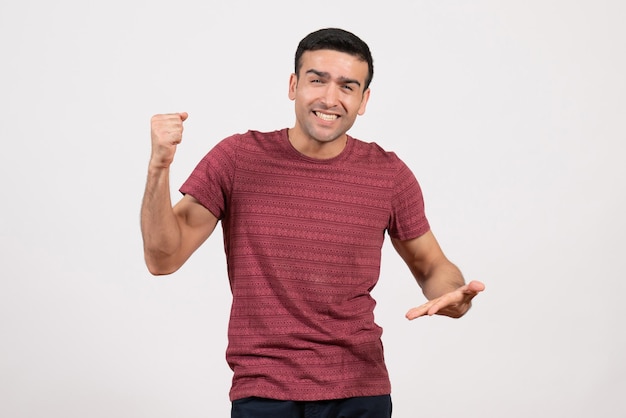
(167, 132)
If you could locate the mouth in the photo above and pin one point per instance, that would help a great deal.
(325, 116)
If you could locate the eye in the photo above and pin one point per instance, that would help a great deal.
(347, 87)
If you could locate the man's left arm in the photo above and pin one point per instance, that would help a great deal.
(440, 280)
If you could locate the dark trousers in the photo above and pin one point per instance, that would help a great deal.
(360, 407)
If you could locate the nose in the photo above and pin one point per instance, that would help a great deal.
(330, 96)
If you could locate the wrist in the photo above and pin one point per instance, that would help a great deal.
(157, 165)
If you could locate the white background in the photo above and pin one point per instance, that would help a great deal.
(510, 113)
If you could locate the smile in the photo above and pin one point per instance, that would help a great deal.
(325, 116)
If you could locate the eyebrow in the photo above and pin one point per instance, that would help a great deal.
(342, 80)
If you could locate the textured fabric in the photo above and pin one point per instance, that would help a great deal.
(303, 239)
(361, 407)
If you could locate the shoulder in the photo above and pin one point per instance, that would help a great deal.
(372, 153)
(253, 138)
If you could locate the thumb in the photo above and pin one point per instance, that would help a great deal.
(183, 116)
(475, 286)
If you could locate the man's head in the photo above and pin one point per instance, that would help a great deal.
(330, 88)
(337, 40)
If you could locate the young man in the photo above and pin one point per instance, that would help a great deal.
(304, 213)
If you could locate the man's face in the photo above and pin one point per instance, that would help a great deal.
(328, 94)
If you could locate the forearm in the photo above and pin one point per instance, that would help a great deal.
(443, 278)
(440, 280)
(159, 226)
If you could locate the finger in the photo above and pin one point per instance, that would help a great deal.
(439, 304)
(415, 313)
(418, 311)
(434, 306)
(183, 116)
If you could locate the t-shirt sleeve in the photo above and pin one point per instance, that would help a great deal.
(408, 218)
(212, 179)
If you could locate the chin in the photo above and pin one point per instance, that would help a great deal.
(326, 136)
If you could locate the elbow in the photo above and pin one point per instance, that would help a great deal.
(158, 267)
(155, 271)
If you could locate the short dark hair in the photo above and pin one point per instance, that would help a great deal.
(337, 40)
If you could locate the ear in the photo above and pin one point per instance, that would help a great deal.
(293, 84)
(366, 97)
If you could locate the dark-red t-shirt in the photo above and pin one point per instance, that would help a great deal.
(303, 241)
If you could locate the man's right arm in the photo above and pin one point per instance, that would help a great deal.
(170, 234)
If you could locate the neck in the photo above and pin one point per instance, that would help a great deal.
(313, 148)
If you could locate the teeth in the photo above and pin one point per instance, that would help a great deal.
(325, 116)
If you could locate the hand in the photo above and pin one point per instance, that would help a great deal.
(454, 304)
(166, 132)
